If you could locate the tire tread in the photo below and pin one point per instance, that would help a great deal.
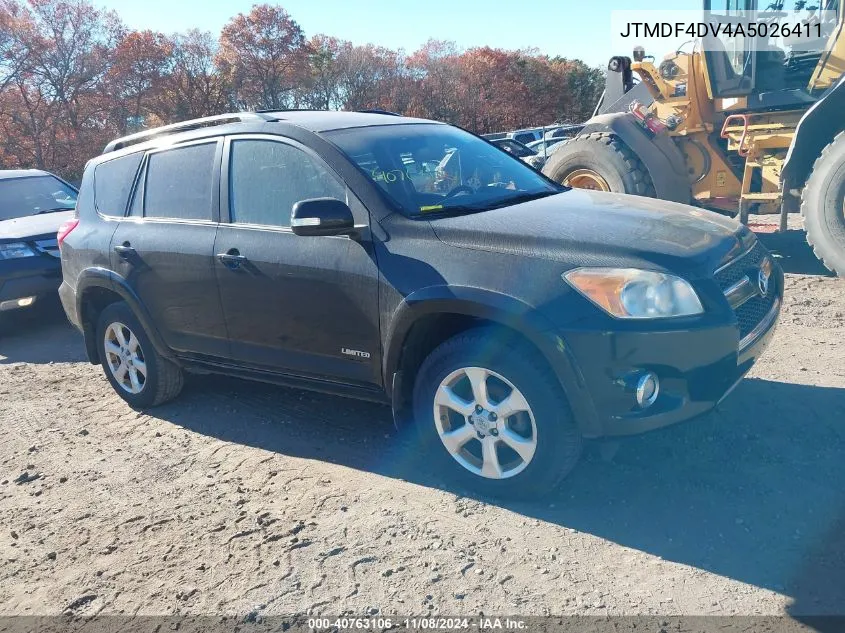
(168, 377)
(637, 172)
(816, 242)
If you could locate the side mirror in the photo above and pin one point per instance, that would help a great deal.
(322, 216)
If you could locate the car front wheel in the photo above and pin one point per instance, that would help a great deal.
(490, 413)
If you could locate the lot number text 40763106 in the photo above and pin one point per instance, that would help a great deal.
(431, 623)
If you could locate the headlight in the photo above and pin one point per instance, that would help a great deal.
(630, 293)
(16, 250)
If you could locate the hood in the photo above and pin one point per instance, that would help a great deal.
(33, 225)
(588, 228)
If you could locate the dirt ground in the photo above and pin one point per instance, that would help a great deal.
(241, 498)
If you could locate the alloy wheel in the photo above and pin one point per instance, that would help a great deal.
(485, 423)
(125, 358)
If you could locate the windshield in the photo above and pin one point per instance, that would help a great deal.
(31, 195)
(739, 65)
(431, 168)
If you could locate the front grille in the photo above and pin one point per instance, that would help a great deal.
(741, 266)
(750, 313)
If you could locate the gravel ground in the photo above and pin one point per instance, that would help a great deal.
(242, 498)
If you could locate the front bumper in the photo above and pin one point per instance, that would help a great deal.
(28, 277)
(697, 369)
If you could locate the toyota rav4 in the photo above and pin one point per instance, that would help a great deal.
(409, 261)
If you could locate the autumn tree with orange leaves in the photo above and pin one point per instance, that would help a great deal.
(73, 76)
(264, 58)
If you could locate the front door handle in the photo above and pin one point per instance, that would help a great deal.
(232, 258)
(125, 250)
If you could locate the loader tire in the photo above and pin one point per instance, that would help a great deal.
(600, 161)
(823, 206)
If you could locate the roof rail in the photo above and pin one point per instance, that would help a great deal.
(185, 126)
(273, 110)
(377, 111)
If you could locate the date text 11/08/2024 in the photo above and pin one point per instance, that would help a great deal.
(422, 623)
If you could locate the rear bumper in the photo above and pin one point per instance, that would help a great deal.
(30, 277)
(697, 369)
(68, 299)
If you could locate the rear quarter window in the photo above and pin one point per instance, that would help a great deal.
(113, 183)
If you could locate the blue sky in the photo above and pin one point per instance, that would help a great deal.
(555, 27)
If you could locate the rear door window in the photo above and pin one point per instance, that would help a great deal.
(179, 183)
(113, 182)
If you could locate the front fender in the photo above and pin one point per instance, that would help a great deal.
(662, 158)
(497, 308)
(818, 127)
(92, 278)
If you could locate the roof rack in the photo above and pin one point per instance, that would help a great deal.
(273, 110)
(185, 126)
(377, 111)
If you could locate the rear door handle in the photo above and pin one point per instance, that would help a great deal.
(232, 258)
(125, 250)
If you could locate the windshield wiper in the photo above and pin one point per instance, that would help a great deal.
(524, 197)
(498, 203)
(450, 210)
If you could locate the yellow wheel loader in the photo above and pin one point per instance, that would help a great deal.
(734, 124)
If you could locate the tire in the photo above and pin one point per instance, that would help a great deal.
(606, 155)
(162, 381)
(823, 206)
(549, 424)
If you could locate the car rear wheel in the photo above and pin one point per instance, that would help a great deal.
(823, 206)
(599, 161)
(137, 372)
(489, 413)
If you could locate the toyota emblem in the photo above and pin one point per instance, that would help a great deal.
(764, 276)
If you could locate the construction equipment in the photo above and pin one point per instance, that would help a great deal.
(738, 125)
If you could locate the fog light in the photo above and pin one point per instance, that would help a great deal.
(23, 302)
(648, 386)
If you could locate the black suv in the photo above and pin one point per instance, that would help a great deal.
(405, 260)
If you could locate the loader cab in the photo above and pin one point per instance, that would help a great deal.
(772, 72)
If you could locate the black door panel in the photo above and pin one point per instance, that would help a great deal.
(301, 305)
(296, 303)
(170, 266)
(166, 251)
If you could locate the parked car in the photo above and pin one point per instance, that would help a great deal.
(564, 132)
(525, 136)
(505, 316)
(546, 145)
(33, 205)
(521, 151)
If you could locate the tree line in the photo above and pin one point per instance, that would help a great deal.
(73, 77)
